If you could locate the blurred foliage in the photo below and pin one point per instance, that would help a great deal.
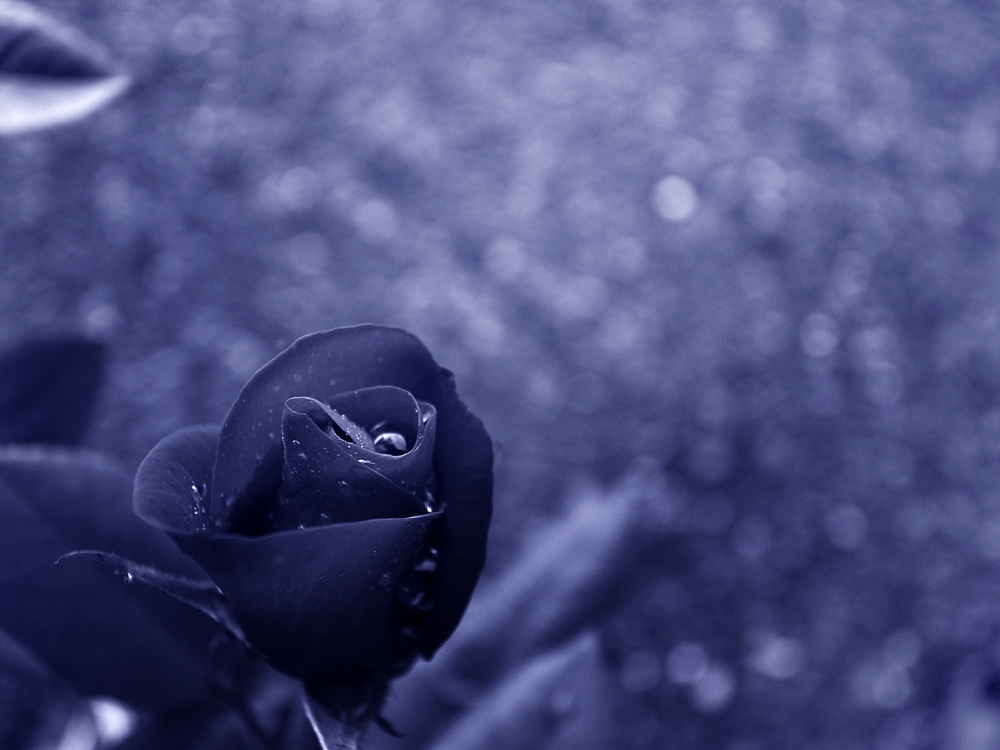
(753, 242)
(49, 73)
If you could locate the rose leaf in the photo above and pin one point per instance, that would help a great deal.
(49, 74)
(101, 637)
(202, 594)
(540, 702)
(48, 389)
(37, 704)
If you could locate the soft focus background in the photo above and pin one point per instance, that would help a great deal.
(748, 247)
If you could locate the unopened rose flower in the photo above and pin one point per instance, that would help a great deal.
(342, 508)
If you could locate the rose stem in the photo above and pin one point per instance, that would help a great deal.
(332, 733)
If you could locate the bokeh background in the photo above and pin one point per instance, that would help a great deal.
(750, 245)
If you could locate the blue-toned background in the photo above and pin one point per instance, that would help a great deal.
(754, 243)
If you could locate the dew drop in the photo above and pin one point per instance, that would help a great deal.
(129, 578)
(416, 599)
(345, 488)
(428, 501)
(390, 443)
(385, 580)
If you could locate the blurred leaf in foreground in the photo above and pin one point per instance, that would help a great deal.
(35, 705)
(49, 73)
(559, 699)
(132, 644)
(572, 576)
(47, 386)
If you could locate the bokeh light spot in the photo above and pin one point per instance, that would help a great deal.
(113, 720)
(752, 538)
(640, 672)
(687, 663)
(375, 220)
(714, 690)
(778, 657)
(820, 335)
(505, 259)
(193, 34)
(675, 199)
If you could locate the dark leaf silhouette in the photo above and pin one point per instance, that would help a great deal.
(34, 703)
(103, 638)
(201, 594)
(49, 73)
(48, 388)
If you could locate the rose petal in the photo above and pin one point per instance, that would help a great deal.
(332, 421)
(321, 603)
(324, 365)
(323, 482)
(172, 481)
(385, 409)
(381, 405)
(396, 410)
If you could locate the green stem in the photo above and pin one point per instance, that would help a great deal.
(333, 734)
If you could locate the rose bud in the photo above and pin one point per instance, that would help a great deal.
(342, 509)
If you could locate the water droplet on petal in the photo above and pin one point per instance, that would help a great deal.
(408, 632)
(385, 580)
(390, 443)
(416, 599)
(129, 578)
